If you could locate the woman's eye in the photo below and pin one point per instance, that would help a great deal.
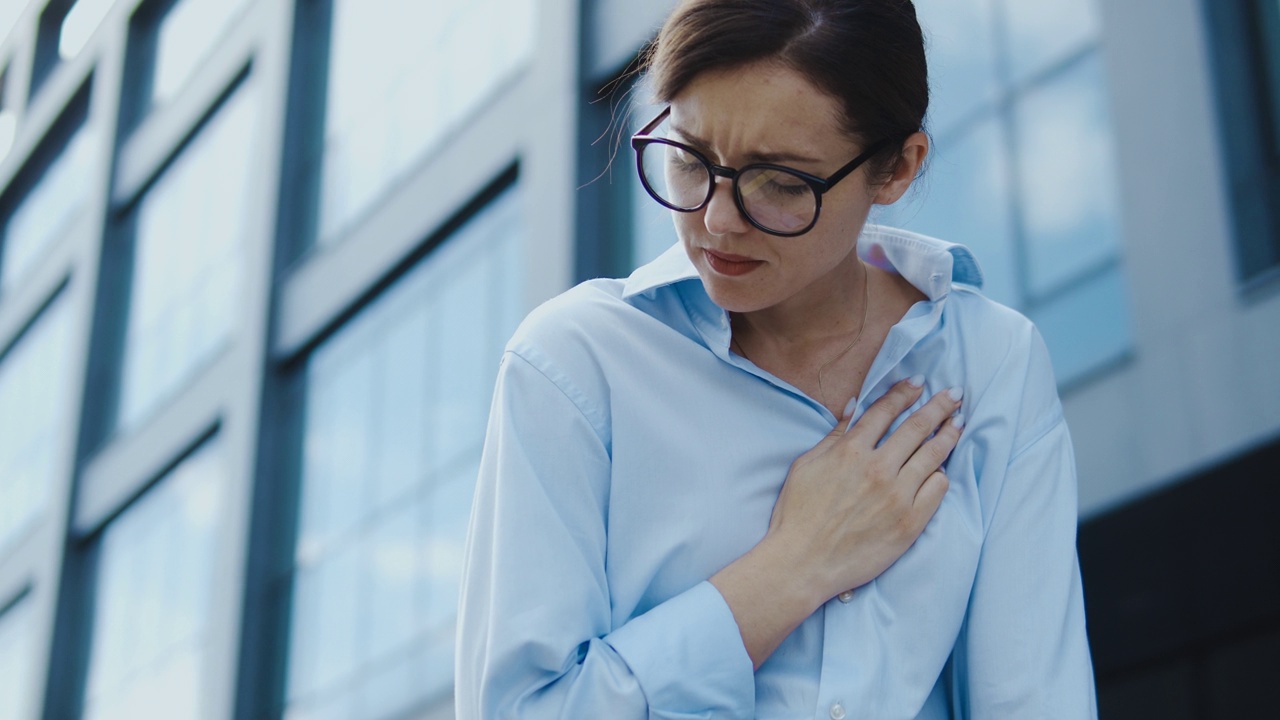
(684, 162)
(787, 187)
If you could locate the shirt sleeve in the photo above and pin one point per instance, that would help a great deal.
(1023, 651)
(536, 634)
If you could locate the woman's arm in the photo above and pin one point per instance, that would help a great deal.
(536, 636)
(1023, 651)
(535, 629)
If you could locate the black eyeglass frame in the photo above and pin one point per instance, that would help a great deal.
(820, 186)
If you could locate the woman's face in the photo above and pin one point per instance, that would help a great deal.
(766, 113)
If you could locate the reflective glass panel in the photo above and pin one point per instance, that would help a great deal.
(403, 74)
(35, 419)
(1066, 161)
(1271, 47)
(1087, 327)
(1041, 33)
(959, 37)
(17, 661)
(155, 580)
(189, 30)
(965, 197)
(187, 260)
(396, 408)
(49, 209)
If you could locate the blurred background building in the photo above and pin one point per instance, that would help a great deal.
(258, 259)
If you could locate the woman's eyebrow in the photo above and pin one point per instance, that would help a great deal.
(766, 157)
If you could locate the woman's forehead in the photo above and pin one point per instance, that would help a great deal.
(762, 108)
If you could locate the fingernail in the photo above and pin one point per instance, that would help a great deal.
(916, 381)
(958, 421)
(956, 393)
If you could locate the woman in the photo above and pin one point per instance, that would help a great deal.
(716, 489)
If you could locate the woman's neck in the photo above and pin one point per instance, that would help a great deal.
(825, 345)
(828, 310)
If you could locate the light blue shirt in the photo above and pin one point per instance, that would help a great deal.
(630, 456)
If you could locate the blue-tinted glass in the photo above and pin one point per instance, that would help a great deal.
(402, 401)
(448, 508)
(49, 210)
(962, 60)
(964, 197)
(186, 278)
(390, 557)
(402, 75)
(17, 662)
(1044, 32)
(154, 582)
(1270, 13)
(396, 404)
(188, 32)
(464, 377)
(391, 688)
(34, 419)
(1070, 191)
(1088, 327)
(339, 615)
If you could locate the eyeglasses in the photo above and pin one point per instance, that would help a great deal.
(774, 198)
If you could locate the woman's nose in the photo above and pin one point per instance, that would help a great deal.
(721, 215)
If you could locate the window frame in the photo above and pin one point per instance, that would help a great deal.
(266, 641)
(1245, 107)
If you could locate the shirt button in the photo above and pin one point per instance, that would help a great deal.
(845, 597)
(837, 712)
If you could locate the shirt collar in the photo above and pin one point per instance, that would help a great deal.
(931, 265)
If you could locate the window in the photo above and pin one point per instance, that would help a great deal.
(34, 422)
(1246, 54)
(1024, 170)
(155, 578)
(186, 275)
(396, 411)
(401, 77)
(17, 666)
(189, 31)
(49, 209)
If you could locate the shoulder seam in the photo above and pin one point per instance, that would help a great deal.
(595, 425)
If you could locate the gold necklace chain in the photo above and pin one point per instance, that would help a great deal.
(866, 307)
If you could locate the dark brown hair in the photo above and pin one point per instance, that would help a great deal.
(867, 54)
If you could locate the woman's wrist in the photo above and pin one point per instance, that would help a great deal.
(770, 591)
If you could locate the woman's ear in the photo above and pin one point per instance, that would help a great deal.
(914, 151)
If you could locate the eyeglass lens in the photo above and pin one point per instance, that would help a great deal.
(772, 198)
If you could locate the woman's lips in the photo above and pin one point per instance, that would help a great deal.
(727, 264)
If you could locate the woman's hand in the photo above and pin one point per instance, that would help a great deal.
(847, 511)
(848, 508)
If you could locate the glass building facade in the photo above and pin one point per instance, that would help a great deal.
(259, 259)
